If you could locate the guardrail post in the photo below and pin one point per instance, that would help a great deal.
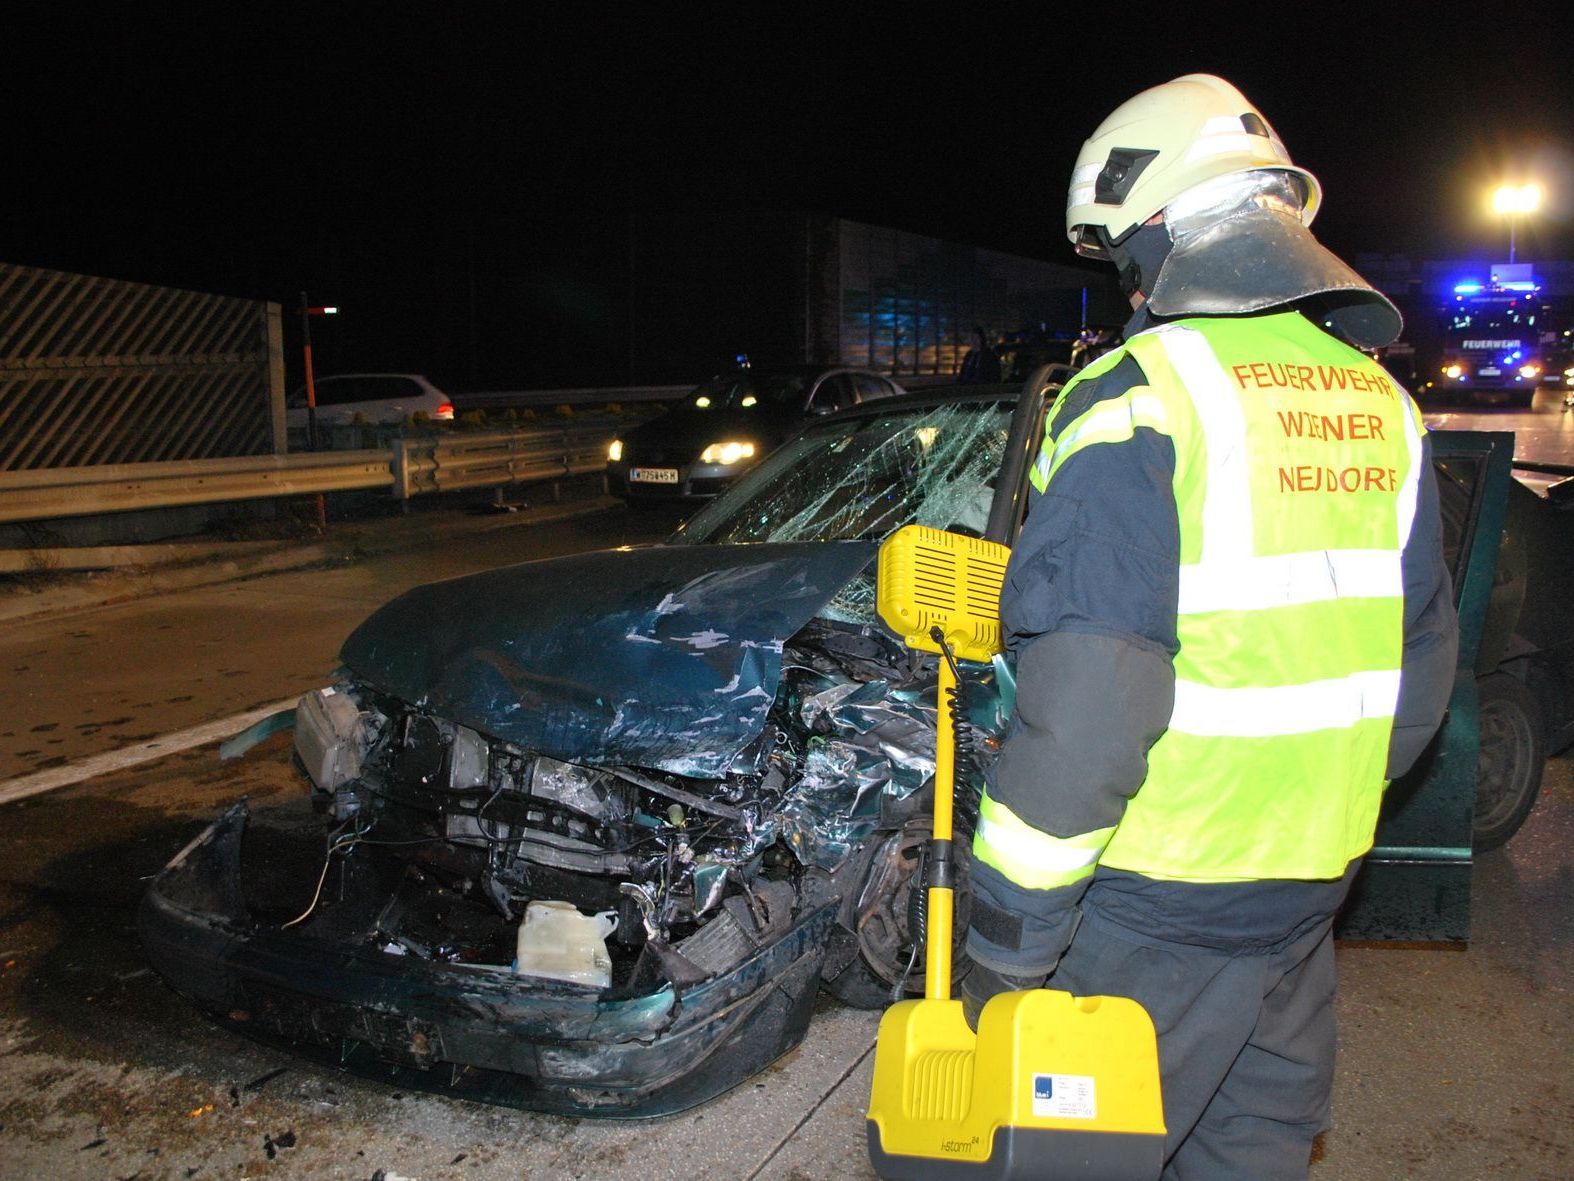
(401, 469)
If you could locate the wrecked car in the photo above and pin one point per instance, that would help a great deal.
(593, 831)
(596, 829)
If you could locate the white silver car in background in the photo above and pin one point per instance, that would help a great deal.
(372, 398)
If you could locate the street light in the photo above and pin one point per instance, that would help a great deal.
(307, 312)
(1513, 200)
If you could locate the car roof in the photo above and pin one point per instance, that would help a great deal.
(932, 395)
(337, 376)
(796, 369)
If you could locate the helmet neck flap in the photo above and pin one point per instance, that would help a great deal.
(1240, 247)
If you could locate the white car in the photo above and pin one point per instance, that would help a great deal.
(375, 398)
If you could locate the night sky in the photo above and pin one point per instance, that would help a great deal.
(406, 160)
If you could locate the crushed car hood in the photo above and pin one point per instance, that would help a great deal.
(665, 657)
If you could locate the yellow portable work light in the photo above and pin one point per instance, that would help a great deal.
(1052, 1085)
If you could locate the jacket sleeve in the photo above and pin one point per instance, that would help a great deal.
(1089, 607)
(1431, 652)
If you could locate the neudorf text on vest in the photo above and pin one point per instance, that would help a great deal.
(1309, 426)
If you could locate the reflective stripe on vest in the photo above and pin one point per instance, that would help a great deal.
(1284, 709)
(1029, 856)
(1109, 428)
(1284, 579)
(1297, 464)
(1112, 421)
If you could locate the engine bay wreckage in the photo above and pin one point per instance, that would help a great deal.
(591, 831)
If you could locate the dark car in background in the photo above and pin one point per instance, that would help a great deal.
(707, 439)
(713, 763)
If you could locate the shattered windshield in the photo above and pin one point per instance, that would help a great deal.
(862, 478)
(859, 479)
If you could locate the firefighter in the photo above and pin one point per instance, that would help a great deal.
(1232, 625)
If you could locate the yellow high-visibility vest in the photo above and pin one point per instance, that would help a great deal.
(1297, 461)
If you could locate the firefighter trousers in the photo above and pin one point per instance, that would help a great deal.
(1246, 1042)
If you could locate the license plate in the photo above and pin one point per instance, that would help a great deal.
(1490, 372)
(653, 475)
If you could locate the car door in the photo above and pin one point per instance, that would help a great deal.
(381, 399)
(337, 399)
(1415, 883)
(871, 388)
(833, 393)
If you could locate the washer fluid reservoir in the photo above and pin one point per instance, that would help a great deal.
(556, 940)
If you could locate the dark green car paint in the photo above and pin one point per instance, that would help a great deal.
(665, 657)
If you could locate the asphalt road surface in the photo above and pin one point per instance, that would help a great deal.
(1453, 1063)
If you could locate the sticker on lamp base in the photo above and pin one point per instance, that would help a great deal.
(1064, 1096)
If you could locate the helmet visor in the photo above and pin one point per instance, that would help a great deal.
(1091, 243)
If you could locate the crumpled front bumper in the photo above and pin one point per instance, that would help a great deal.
(477, 1032)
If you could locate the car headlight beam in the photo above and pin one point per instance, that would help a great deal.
(615, 451)
(728, 452)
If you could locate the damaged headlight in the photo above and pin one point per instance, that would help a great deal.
(333, 734)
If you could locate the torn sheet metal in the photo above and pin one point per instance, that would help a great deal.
(869, 740)
(664, 657)
(872, 742)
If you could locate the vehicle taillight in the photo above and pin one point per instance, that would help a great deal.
(446, 410)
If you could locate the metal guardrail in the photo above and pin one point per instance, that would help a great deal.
(125, 487)
(414, 466)
(525, 399)
(522, 399)
(451, 463)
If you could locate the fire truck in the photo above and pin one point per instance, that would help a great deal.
(1495, 338)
